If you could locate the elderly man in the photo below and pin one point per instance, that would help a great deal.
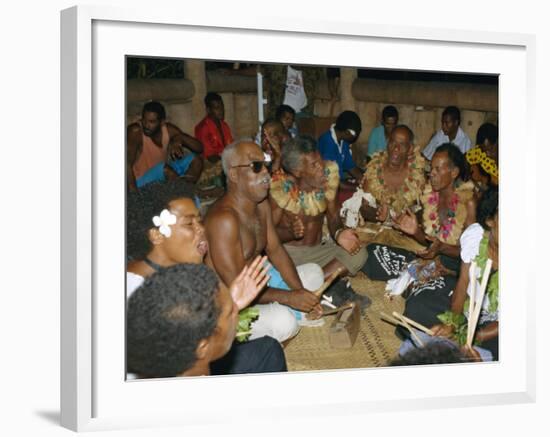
(239, 226)
(158, 150)
(394, 178)
(301, 197)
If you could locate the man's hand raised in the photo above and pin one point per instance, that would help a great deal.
(407, 222)
(250, 282)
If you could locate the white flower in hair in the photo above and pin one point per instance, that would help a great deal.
(164, 221)
(267, 157)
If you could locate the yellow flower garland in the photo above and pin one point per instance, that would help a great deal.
(287, 195)
(478, 156)
(408, 194)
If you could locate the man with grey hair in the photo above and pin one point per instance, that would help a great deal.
(239, 226)
(302, 195)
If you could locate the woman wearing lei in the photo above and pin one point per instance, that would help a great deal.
(448, 208)
(395, 178)
(483, 158)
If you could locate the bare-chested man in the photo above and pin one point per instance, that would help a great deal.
(301, 197)
(394, 177)
(158, 150)
(239, 226)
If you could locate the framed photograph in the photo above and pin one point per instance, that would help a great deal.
(96, 44)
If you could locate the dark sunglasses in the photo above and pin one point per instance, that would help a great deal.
(256, 166)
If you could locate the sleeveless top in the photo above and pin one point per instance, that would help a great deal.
(151, 154)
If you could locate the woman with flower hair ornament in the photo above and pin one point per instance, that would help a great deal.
(448, 207)
(164, 228)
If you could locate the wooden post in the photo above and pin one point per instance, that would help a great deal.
(195, 72)
(347, 76)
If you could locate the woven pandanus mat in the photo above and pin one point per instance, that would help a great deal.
(376, 342)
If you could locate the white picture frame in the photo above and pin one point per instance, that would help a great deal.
(94, 394)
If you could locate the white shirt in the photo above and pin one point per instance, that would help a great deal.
(133, 282)
(461, 141)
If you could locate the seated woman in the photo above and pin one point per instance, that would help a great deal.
(479, 242)
(448, 208)
(483, 158)
(164, 229)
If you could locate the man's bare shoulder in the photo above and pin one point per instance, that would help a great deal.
(134, 128)
(221, 212)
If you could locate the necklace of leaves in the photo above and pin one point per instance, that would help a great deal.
(403, 188)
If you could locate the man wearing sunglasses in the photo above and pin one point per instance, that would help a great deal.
(239, 226)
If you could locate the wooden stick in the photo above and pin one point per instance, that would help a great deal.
(392, 320)
(472, 285)
(336, 310)
(479, 303)
(328, 281)
(413, 323)
(405, 325)
(414, 334)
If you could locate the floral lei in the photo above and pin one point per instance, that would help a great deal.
(408, 193)
(287, 195)
(448, 232)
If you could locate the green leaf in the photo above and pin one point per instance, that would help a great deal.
(246, 317)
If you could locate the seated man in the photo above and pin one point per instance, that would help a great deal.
(379, 136)
(158, 150)
(212, 131)
(272, 136)
(394, 178)
(450, 132)
(179, 321)
(301, 197)
(239, 226)
(286, 115)
(334, 145)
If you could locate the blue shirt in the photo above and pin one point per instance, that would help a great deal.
(377, 141)
(330, 151)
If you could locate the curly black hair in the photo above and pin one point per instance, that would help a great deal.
(211, 98)
(167, 316)
(453, 112)
(390, 111)
(487, 206)
(284, 109)
(348, 120)
(143, 205)
(456, 158)
(155, 107)
(487, 131)
(435, 352)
